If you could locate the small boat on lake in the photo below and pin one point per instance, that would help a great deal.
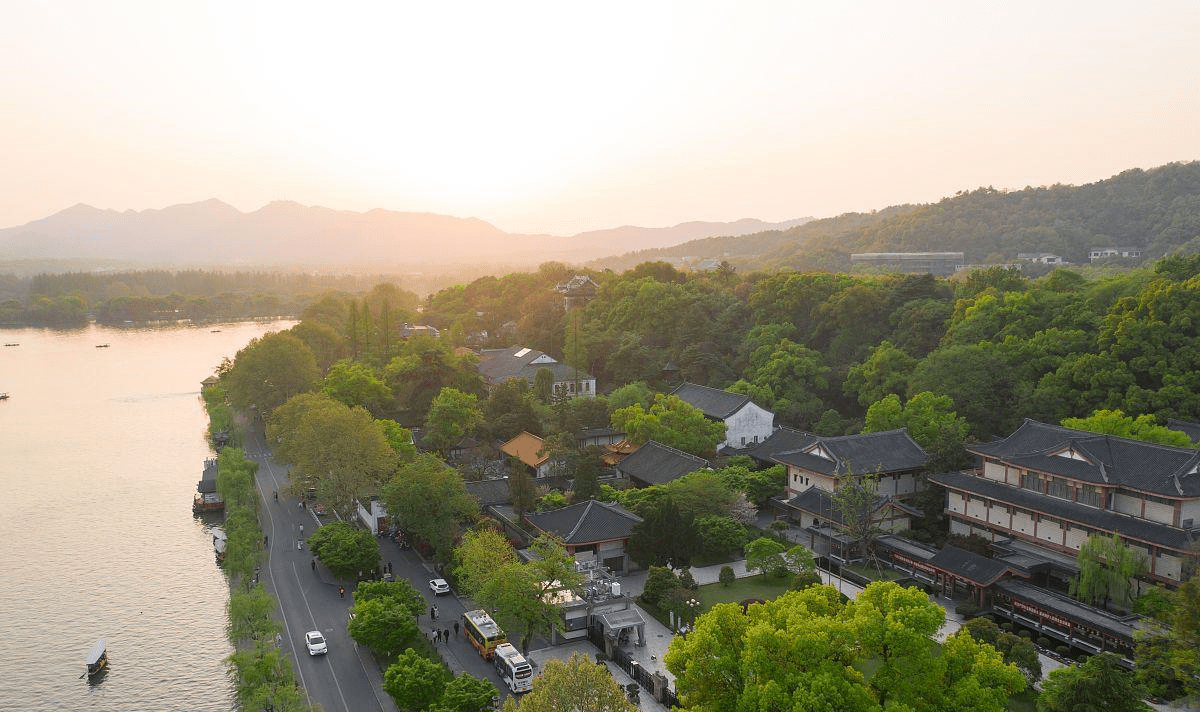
(102, 346)
(97, 659)
(3, 396)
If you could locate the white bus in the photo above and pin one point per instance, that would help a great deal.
(514, 669)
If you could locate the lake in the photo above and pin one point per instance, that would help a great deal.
(100, 452)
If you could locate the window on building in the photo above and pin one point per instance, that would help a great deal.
(1059, 488)
(1089, 495)
(1034, 482)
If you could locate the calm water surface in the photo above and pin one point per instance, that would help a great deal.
(100, 451)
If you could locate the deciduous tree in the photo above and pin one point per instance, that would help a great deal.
(430, 500)
(1100, 683)
(347, 551)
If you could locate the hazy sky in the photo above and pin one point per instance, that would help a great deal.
(566, 116)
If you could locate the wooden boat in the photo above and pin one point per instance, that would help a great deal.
(97, 659)
(102, 346)
(3, 396)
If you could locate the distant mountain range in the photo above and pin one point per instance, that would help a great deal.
(289, 235)
(1155, 210)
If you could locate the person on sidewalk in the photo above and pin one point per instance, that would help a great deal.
(455, 629)
(314, 564)
(342, 591)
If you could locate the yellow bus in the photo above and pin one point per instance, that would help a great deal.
(483, 633)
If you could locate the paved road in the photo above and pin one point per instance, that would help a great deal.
(347, 678)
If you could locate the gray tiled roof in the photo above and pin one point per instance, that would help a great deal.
(969, 565)
(1088, 616)
(713, 402)
(1192, 430)
(817, 501)
(656, 464)
(1111, 460)
(499, 365)
(1101, 520)
(586, 522)
(882, 452)
(489, 492)
(782, 440)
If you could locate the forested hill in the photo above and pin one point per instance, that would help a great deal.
(1157, 210)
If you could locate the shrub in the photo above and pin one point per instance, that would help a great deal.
(967, 610)
(1025, 634)
(659, 582)
(726, 576)
(804, 579)
(1063, 650)
(688, 581)
(1044, 642)
(1006, 627)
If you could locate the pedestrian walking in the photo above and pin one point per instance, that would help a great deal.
(435, 613)
(342, 591)
(266, 538)
(446, 634)
(389, 567)
(276, 495)
(455, 629)
(299, 504)
(314, 564)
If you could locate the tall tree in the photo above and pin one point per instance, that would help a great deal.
(452, 414)
(269, 371)
(1108, 568)
(346, 550)
(431, 501)
(855, 500)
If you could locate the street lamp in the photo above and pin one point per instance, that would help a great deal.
(694, 606)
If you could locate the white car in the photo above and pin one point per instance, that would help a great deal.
(315, 642)
(439, 586)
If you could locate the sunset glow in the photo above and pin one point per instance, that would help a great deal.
(561, 117)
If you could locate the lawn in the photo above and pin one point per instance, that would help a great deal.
(757, 586)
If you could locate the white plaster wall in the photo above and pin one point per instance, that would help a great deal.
(998, 514)
(1050, 532)
(959, 528)
(1168, 566)
(994, 471)
(1190, 509)
(1023, 523)
(954, 502)
(752, 423)
(1127, 505)
(976, 509)
(1161, 513)
(1075, 537)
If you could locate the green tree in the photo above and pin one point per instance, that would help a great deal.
(250, 615)
(398, 437)
(414, 681)
(805, 650)
(383, 626)
(430, 501)
(398, 593)
(1098, 684)
(884, 373)
(337, 450)
(663, 537)
(931, 423)
(1143, 427)
(270, 370)
(766, 555)
(578, 685)
(465, 693)
(1108, 568)
(672, 422)
(356, 384)
(521, 594)
(719, 535)
(422, 368)
(347, 551)
(479, 554)
(452, 414)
